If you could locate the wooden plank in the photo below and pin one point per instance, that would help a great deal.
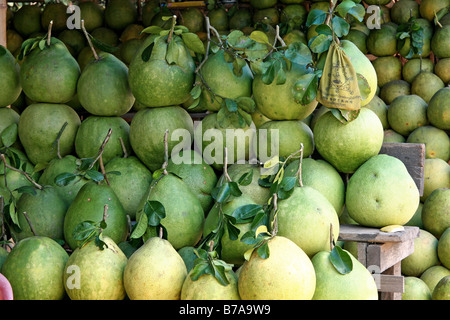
(362, 252)
(412, 155)
(351, 232)
(385, 255)
(391, 283)
(397, 295)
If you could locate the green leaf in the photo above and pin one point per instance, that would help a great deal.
(147, 52)
(174, 52)
(233, 232)
(64, 179)
(259, 37)
(245, 213)
(42, 44)
(193, 42)
(246, 103)
(263, 251)
(288, 183)
(358, 12)
(231, 105)
(223, 193)
(341, 260)
(364, 87)
(196, 92)
(338, 115)
(305, 89)
(340, 26)
(350, 115)
(95, 175)
(152, 30)
(343, 8)
(100, 243)
(85, 230)
(102, 46)
(27, 189)
(316, 17)
(140, 227)
(220, 275)
(246, 178)
(319, 43)
(13, 214)
(85, 163)
(234, 188)
(155, 212)
(299, 53)
(9, 135)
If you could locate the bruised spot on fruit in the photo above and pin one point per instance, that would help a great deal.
(89, 199)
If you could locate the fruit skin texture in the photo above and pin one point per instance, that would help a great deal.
(50, 75)
(424, 255)
(442, 289)
(436, 212)
(347, 146)
(35, 269)
(39, 125)
(416, 289)
(432, 275)
(103, 87)
(101, 272)
(155, 83)
(359, 284)
(208, 288)
(287, 274)
(381, 192)
(9, 78)
(444, 248)
(437, 142)
(407, 113)
(438, 111)
(155, 272)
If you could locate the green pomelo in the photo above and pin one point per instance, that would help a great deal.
(394, 89)
(27, 20)
(93, 131)
(50, 75)
(193, 19)
(55, 12)
(438, 111)
(416, 220)
(305, 218)
(295, 36)
(155, 83)
(358, 38)
(184, 217)
(155, 272)
(128, 50)
(92, 14)
(208, 288)
(415, 66)
(8, 117)
(220, 78)
(382, 42)
(35, 268)
(258, 194)
(426, 49)
(436, 175)
(402, 10)
(393, 136)
(196, 173)
(9, 78)
(407, 113)
(358, 284)
(379, 106)
(100, 272)
(294, 13)
(89, 205)
(219, 19)
(103, 87)
(13, 41)
(73, 39)
(147, 130)
(381, 193)
(347, 146)
(132, 183)
(45, 212)
(388, 68)
(428, 8)
(120, 13)
(436, 213)
(106, 35)
(240, 19)
(149, 10)
(268, 16)
(444, 248)
(416, 289)
(132, 31)
(426, 84)
(3, 255)
(437, 142)
(442, 70)
(287, 274)
(263, 4)
(39, 126)
(277, 102)
(424, 255)
(442, 290)
(433, 275)
(283, 138)
(323, 177)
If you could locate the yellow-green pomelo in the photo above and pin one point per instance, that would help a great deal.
(438, 111)
(381, 193)
(269, 16)
(320, 110)
(35, 268)
(394, 89)
(382, 42)
(56, 12)
(219, 19)
(92, 14)
(436, 175)
(393, 136)
(442, 290)
(388, 68)
(358, 284)
(433, 275)
(155, 271)
(193, 19)
(27, 20)
(120, 13)
(294, 12)
(242, 18)
(428, 8)
(149, 10)
(263, 4)
(147, 130)
(413, 67)
(93, 131)
(206, 287)
(347, 146)
(323, 177)
(277, 102)
(13, 41)
(436, 213)
(380, 108)
(128, 49)
(106, 35)
(283, 138)
(426, 84)
(39, 126)
(358, 38)
(402, 10)
(287, 274)
(442, 70)
(9, 78)
(416, 220)
(416, 289)
(74, 40)
(437, 142)
(305, 218)
(407, 113)
(444, 248)
(424, 255)
(100, 272)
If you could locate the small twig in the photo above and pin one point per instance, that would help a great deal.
(174, 22)
(29, 223)
(300, 164)
(124, 149)
(331, 237)
(166, 152)
(275, 219)
(225, 165)
(89, 40)
(102, 148)
(102, 169)
(58, 138)
(208, 32)
(49, 35)
(105, 212)
(22, 172)
(161, 232)
(211, 246)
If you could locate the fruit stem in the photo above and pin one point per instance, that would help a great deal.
(211, 246)
(161, 232)
(275, 213)
(58, 138)
(124, 149)
(49, 35)
(331, 237)
(2, 208)
(174, 22)
(166, 152)
(102, 148)
(208, 26)
(22, 172)
(102, 169)
(89, 40)
(225, 169)
(29, 223)
(300, 164)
